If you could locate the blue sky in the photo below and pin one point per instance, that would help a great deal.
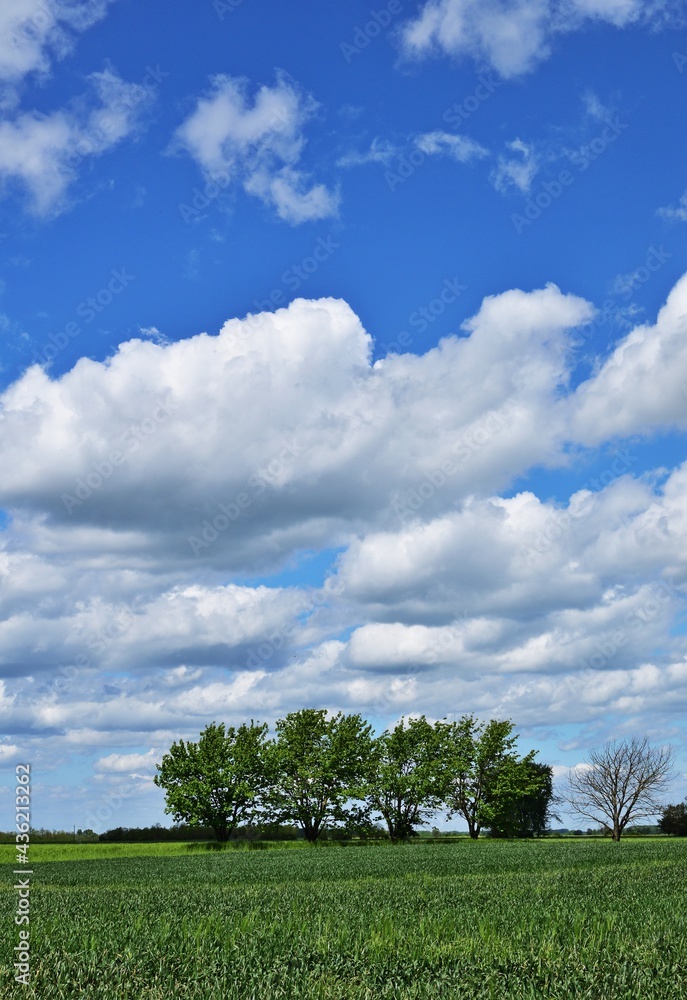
(343, 363)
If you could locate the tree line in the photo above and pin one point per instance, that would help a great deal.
(330, 772)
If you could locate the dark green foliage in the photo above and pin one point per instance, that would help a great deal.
(155, 834)
(409, 776)
(488, 779)
(674, 820)
(524, 809)
(218, 781)
(317, 764)
(329, 775)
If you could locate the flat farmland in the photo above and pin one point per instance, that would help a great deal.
(554, 919)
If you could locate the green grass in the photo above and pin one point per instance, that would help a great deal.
(466, 920)
(92, 852)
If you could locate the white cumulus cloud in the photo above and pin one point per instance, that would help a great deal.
(259, 144)
(514, 36)
(133, 505)
(41, 153)
(33, 31)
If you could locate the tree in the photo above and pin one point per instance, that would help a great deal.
(620, 782)
(487, 776)
(521, 805)
(409, 775)
(317, 765)
(217, 782)
(674, 820)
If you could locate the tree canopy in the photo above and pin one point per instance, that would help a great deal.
(674, 819)
(317, 764)
(322, 771)
(487, 778)
(521, 804)
(409, 775)
(218, 781)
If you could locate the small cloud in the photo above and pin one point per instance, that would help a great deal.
(458, 147)
(192, 264)
(624, 284)
(514, 36)
(41, 153)
(127, 763)
(517, 170)
(380, 151)
(594, 108)
(8, 753)
(350, 112)
(152, 333)
(139, 198)
(675, 213)
(288, 193)
(181, 675)
(31, 33)
(258, 144)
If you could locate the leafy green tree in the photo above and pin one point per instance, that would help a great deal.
(486, 774)
(317, 764)
(217, 782)
(674, 819)
(409, 776)
(521, 801)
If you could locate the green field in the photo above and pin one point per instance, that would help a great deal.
(486, 919)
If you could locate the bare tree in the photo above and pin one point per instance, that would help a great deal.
(621, 782)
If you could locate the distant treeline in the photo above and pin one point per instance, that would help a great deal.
(182, 833)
